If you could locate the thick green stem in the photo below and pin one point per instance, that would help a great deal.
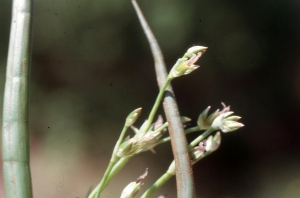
(185, 182)
(163, 179)
(15, 136)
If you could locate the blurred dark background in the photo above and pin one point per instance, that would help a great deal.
(91, 66)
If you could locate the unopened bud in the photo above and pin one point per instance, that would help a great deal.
(225, 123)
(194, 50)
(132, 117)
(185, 65)
(213, 143)
(134, 187)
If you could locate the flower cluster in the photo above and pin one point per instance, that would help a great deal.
(219, 120)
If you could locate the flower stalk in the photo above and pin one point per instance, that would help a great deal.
(15, 131)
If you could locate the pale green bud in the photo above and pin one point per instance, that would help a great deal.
(204, 122)
(172, 168)
(225, 123)
(131, 190)
(185, 65)
(185, 119)
(134, 187)
(194, 50)
(132, 117)
(213, 143)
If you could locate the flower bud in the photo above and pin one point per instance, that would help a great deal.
(131, 190)
(197, 151)
(172, 168)
(185, 119)
(213, 143)
(132, 117)
(194, 50)
(185, 65)
(134, 187)
(225, 123)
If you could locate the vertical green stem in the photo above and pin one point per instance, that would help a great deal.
(157, 103)
(15, 133)
(184, 176)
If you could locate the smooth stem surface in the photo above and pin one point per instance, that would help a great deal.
(117, 167)
(184, 172)
(15, 133)
(157, 103)
(187, 131)
(114, 159)
(201, 137)
(191, 130)
(163, 179)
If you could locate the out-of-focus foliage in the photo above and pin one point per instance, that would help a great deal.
(91, 65)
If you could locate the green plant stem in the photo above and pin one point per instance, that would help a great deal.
(163, 179)
(114, 159)
(15, 132)
(184, 178)
(117, 167)
(201, 137)
(187, 131)
(157, 103)
(191, 130)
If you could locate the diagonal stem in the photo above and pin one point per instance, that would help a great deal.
(15, 133)
(184, 176)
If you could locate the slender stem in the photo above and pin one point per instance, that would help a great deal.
(201, 137)
(187, 131)
(157, 103)
(15, 133)
(122, 162)
(117, 167)
(163, 179)
(184, 177)
(191, 130)
(113, 160)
